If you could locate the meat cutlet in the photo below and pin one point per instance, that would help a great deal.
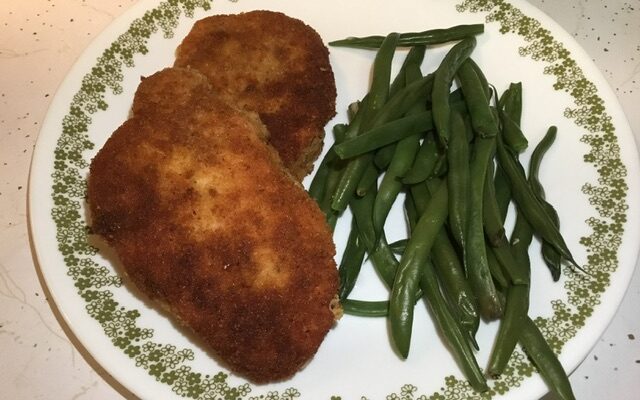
(271, 64)
(206, 221)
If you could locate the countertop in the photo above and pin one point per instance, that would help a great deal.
(39, 42)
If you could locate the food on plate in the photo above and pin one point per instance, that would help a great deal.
(271, 64)
(207, 222)
(454, 154)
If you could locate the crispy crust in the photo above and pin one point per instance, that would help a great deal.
(274, 65)
(207, 222)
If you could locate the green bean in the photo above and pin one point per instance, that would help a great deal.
(340, 132)
(364, 308)
(351, 262)
(383, 156)
(510, 113)
(412, 216)
(503, 192)
(441, 166)
(334, 174)
(331, 169)
(394, 108)
(406, 283)
(456, 96)
(467, 122)
(381, 256)
(497, 272)
(425, 162)
(451, 273)
(543, 357)
(384, 262)
(379, 90)
(442, 84)
(526, 200)
(352, 108)
(403, 101)
(482, 118)
(385, 134)
(422, 193)
(536, 159)
(511, 102)
(351, 178)
(517, 302)
(521, 238)
(318, 184)
(391, 184)
(476, 263)
(376, 98)
(403, 158)
(368, 179)
(356, 112)
(511, 325)
(449, 268)
(486, 89)
(361, 208)
(505, 257)
(399, 245)
(551, 257)
(429, 37)
(415, 56)
(513, 136)
(495, 233)
(329, 174)
(458, 177)
(450, 329)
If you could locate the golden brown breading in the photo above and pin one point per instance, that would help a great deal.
(274, 65)
(207, 222)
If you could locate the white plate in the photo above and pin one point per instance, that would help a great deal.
(585, 175)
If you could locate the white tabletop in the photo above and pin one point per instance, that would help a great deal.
(40, 40)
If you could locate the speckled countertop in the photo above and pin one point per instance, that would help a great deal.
(41, 39)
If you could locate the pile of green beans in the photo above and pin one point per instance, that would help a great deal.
(453, 155)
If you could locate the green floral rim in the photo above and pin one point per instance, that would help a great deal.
(170, 365)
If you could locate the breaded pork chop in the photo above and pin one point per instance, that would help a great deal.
(206, 221)
(271, 64)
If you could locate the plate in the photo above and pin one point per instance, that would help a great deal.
(586, 176)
